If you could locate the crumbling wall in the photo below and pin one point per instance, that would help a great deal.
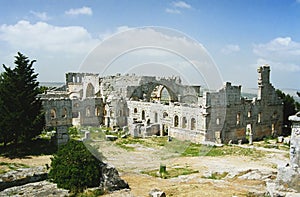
(237, 118)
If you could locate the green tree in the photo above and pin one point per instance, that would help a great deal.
(289, 108)
(74, 168)
(21, 110)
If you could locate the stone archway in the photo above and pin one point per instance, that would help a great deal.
(153, 91)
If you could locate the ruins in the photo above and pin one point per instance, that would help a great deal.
(289, 175)
(149, 105)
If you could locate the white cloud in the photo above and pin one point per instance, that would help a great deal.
(282, 52)
(181, 4)
(57, 49)
(46, 37)
(177, 6)
(41, 15)
(84, 11)
(231, 48)
(282, 66)
(172, 11)
(143, 46)
(110, 33)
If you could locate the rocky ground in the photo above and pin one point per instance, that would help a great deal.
(232, 175)
(245, 176)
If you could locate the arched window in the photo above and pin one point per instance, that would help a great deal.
(249, 114)
(165, 114)
(259, 117)
(155, 117)
(87, 112)
(64, 113)
(53, 113)
(143, 115)
(238, 118)
(164, 95)
(218, 121)
(193, 124)
(97, 111)
(176, 122)
(184, 122)
(160, 93)
(135, 110)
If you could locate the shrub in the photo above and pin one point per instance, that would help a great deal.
(74, 168)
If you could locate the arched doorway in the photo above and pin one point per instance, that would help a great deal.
(176, 121)
(90, 90)
(160, 94)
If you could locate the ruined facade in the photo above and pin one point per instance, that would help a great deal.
(150, 105)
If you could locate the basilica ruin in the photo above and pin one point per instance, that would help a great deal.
(163, 106)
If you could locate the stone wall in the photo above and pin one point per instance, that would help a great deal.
(237, 118)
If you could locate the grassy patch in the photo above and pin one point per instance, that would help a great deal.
(171, 172)
(217, 175)
(235, 151)
(152, 142)
(5, 167)
(279, 146)
(126, 142)
(194, 150)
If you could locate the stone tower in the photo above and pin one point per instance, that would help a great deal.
(263, 81)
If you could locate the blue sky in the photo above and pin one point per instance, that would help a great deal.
(238, 34)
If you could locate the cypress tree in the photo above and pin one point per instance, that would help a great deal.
(21, 109)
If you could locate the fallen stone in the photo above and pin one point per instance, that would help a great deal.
(258, 175)
(111, 137)
(111, 180)
(41, 188)
(156, 193)
(22, 176)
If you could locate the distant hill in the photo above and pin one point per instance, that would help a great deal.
(52, 84)
(252, 92)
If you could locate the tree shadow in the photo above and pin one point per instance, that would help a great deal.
(36, 147)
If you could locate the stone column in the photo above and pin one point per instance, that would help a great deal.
(289, 175)
(250, 138)
(295, 141)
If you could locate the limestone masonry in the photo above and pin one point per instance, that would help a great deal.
(148, 105)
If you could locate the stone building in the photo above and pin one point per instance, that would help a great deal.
(150, 105)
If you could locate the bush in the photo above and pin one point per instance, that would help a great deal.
(74, 168)
(73, 132)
